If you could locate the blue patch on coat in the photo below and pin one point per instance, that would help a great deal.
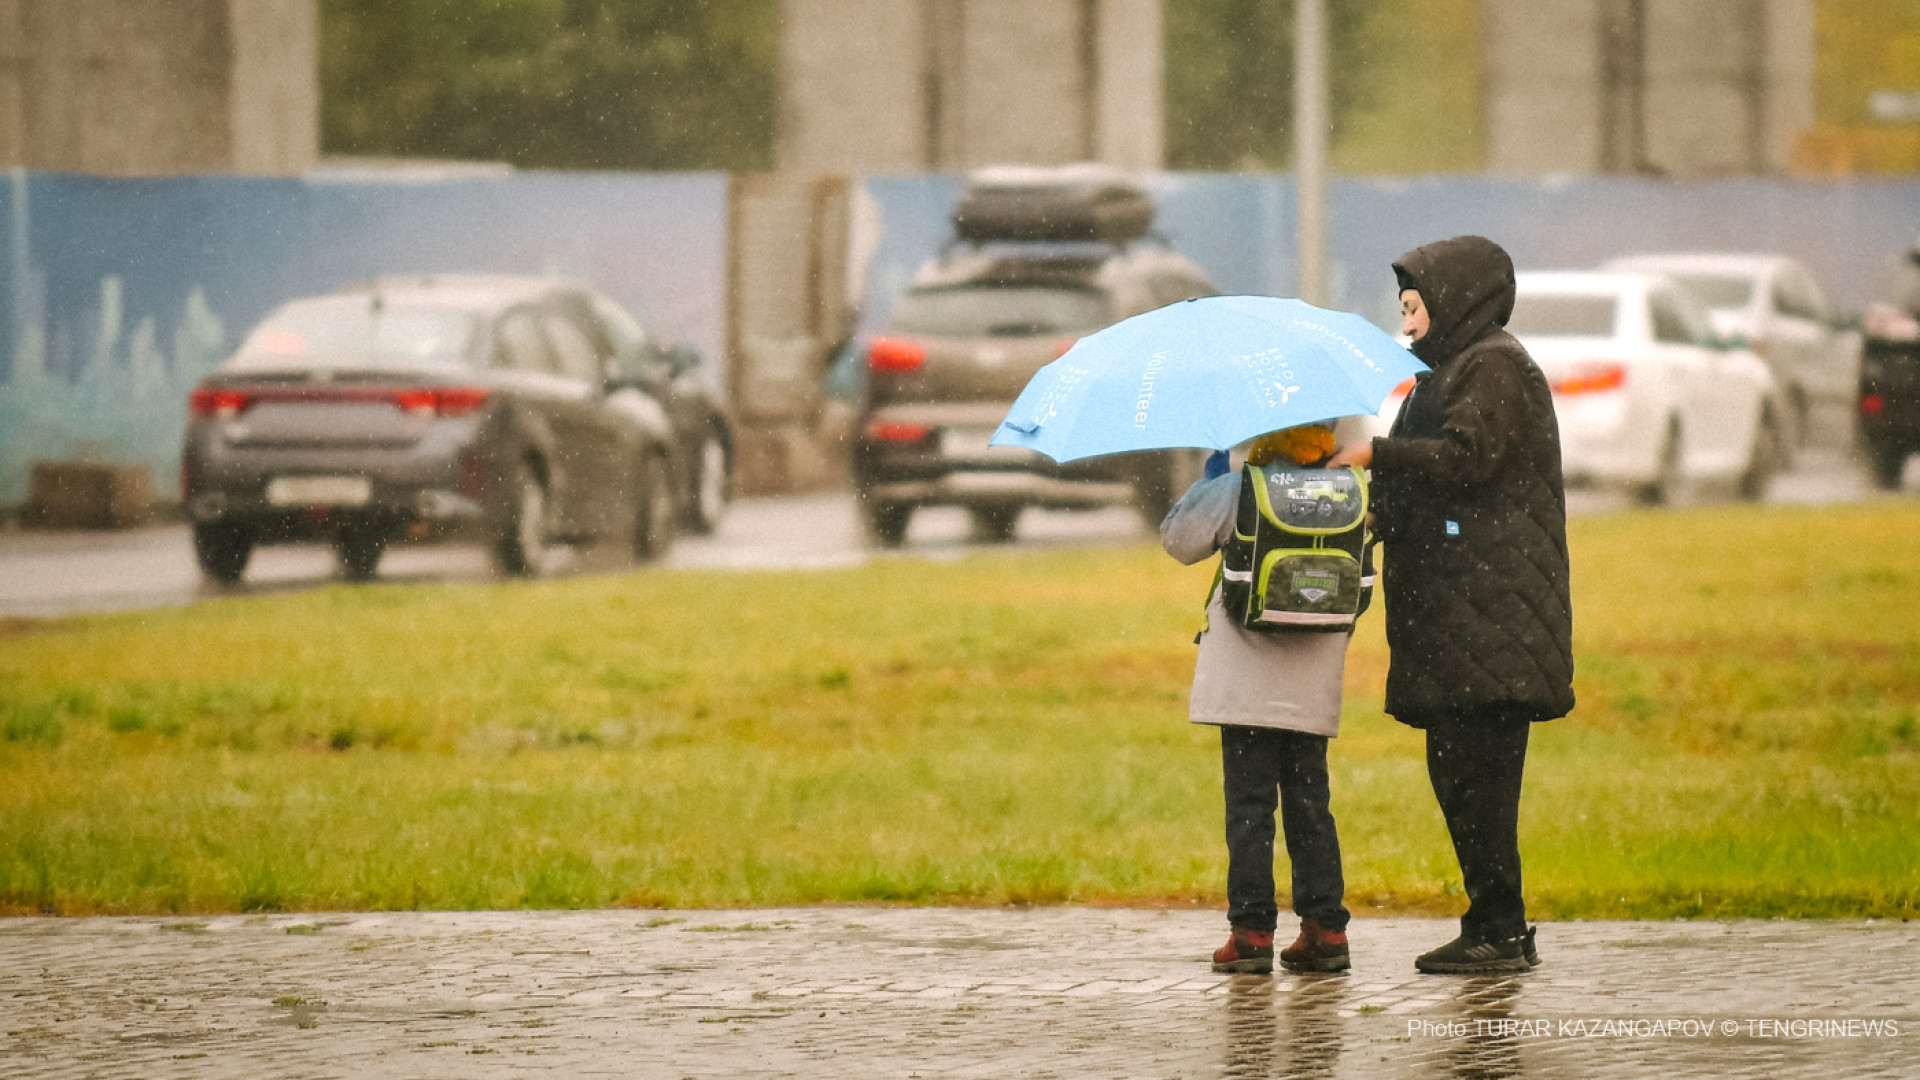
(1453, 528)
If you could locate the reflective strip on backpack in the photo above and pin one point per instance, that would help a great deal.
(1304, 618)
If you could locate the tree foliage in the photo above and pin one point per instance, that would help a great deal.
(574, 84)
(1230, 79)
(693, 84)
(1862, 46)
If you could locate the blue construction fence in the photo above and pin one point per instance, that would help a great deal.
(117, 295)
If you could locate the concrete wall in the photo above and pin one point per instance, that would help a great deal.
(1541, 85)
(907, 85)
(274, 101)
(853, 86)
(159, 87)
(1129, 98)
(1688, 88)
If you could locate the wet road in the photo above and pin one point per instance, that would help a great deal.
(50, 574)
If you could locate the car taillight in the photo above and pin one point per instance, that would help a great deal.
(437, 401)
(416, 401)
(1872, 404)
(890, 354)
(445, 401)
(458, 400)
(206, 402)
(1592, 379)
(893, 431)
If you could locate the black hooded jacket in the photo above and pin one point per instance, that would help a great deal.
(1470, 504)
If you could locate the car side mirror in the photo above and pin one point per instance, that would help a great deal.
(682, 358)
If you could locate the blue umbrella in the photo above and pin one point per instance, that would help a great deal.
(1209, 373)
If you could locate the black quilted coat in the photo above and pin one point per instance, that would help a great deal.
(1471, 509)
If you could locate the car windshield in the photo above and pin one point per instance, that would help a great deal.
(1717, 290)
(1563, 315)
(354, 331)
(975, 310)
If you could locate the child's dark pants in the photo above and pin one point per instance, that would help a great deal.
(1265, 768)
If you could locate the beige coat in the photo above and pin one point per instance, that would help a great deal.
(1247, 677)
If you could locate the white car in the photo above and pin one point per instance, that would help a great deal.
(1648, 397)
(1771, 303)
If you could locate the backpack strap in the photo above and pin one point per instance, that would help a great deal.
(1206, 606)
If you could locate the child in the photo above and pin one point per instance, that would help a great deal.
(1276, 698)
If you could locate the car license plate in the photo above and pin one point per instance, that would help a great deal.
(319, 490)
(970, 444)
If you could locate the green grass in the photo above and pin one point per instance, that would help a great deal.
(1009, 728)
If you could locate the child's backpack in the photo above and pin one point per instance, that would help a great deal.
(1293, 561)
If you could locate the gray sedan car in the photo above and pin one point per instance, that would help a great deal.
(523, 412)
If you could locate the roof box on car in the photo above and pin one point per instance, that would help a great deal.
(1062, 203)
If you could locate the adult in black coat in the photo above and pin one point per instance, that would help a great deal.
(1470, 506)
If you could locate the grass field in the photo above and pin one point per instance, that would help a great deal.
(1009, 728)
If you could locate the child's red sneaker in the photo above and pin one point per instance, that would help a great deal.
(1247, 952)
(1316, 949)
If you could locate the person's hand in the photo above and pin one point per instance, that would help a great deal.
(1358, 454)
(1218, 464)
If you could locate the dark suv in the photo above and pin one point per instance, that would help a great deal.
(960, 345)
(526, 412)
(1890, 393)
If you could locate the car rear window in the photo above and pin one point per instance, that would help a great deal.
(1717, 290)
(352, 331)
(962, 311)
(1563, 315)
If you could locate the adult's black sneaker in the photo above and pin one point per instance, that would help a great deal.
(1472, 956)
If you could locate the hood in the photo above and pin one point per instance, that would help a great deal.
(1467, 286)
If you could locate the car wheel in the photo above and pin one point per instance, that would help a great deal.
(520, 543)
(358, 548)
(886, 522)
(653, 511)
(712, 486)
(1765, 460)
(994, 524)
(222, 549)
(1324, 506)
(1887, 463)
(1660, 491)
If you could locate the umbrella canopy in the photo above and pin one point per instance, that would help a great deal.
(1208, 373)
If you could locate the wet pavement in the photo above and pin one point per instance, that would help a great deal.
(905, 993)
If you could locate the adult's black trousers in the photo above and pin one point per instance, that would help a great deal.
(1265, 768)
(1476, 762)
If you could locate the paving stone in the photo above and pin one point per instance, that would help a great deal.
(926, 993)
